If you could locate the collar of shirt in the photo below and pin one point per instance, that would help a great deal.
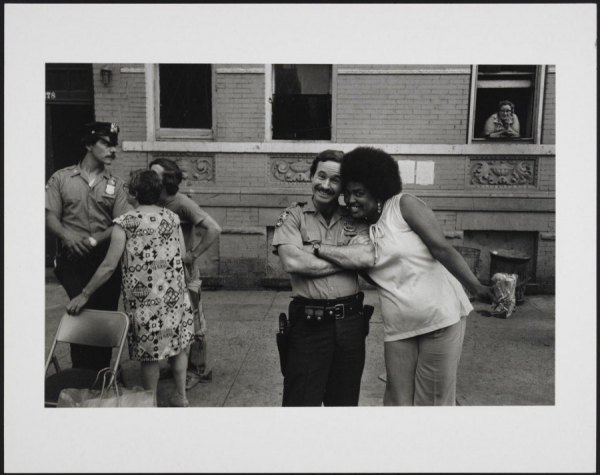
(337, 215)
(104, 173)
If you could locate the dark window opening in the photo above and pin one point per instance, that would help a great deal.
(513, 83)
(302, 102)
(185, 96)
(69, 83)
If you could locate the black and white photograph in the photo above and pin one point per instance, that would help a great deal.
(253, 247)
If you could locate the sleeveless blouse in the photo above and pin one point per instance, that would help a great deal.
(418, 294)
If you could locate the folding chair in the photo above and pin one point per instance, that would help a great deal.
(90, 327)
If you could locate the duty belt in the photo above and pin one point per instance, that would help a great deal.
(322, 310)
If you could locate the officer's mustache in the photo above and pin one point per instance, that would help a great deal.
(329, 191)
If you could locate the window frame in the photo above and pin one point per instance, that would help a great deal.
(537, 109)
(270, 92)
(166, 133)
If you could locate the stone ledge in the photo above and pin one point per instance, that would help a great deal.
(547, 236)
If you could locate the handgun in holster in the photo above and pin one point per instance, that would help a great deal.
(283, 340)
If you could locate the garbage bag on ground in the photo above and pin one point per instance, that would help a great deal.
(504, 286)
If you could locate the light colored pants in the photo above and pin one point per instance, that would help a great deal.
(421, 371)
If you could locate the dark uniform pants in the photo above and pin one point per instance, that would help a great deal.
(74, 276)
(325, 362)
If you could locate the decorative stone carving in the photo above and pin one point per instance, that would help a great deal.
(291, 168)
(502, 172)
(196, 168)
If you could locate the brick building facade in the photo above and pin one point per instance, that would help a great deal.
(487, 194)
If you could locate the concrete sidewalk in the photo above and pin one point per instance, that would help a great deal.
(504, 361)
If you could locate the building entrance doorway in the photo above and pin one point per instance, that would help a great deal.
(69, 105)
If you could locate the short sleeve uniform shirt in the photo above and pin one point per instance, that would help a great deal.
(303, 224)
(83, 208)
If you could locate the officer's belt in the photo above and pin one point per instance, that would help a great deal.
(327, 309)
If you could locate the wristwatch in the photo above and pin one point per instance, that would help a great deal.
(316, 246)
(93, 242)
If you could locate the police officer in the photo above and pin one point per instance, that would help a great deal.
(81, 202)
(327, 340)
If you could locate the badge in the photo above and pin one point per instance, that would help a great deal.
(114, 128)
(282, 218)
(349, 226)
(110, 187)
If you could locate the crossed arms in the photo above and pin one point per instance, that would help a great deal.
(334, 259)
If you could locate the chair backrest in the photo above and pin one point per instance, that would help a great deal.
(93, 327)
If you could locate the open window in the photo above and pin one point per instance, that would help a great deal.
(184, 107)
(301, 102)
(519, 85)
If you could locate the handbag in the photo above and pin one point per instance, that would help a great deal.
(109, 396)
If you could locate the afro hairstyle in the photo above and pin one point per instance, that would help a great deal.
(373, 168)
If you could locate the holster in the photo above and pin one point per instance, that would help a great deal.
(283, 338)
(367, 314)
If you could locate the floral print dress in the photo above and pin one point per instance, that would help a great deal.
(154, 291)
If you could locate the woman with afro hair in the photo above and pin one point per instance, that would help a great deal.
(418, 277)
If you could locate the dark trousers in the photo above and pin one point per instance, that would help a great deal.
(74, 275)
(325, 361)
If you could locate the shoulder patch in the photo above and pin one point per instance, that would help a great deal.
(286, 212)
(50, 181)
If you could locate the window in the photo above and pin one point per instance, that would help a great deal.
(520, 86)
(184, 95)
(69, 83)
(302, 102)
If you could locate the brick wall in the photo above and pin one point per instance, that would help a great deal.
(241, 217)
(549, 113)
(448, 172)
(546, 257)
(240, 107)
(123, 101)
(447, 220)
(547, 174)
(126, 162)
(241, 170)
(402, 108)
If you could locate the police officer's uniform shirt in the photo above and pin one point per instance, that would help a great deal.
(83, 208)
(302, 224)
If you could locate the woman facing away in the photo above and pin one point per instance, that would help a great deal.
(503, 123)
(418, 277)
(150, 246)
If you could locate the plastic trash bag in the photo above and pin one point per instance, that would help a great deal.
(109, 396)
(504, 286)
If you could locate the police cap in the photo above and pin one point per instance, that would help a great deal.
(104, 129)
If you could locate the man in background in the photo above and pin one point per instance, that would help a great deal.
(200, 231)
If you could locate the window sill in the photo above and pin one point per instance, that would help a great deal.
(503, 140)
(184, 134)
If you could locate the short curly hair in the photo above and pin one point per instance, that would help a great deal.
(506, 103)
(145, 185)
(373, 168)
(172, 175)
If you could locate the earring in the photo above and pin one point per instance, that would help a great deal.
(379, 207)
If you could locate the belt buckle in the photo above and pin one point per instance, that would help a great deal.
(336, 314)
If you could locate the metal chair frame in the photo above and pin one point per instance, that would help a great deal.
(90, 327)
